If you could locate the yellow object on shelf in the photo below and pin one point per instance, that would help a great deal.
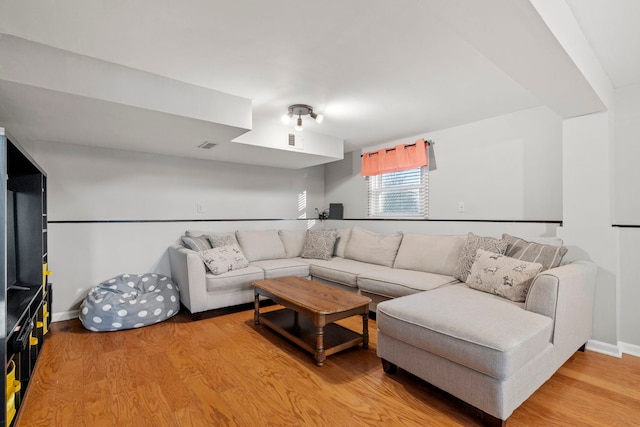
(45, 272)
(33, 341)
(11, 408)
(45, 316)
(13, 386)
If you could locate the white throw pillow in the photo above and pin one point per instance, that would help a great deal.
(502, 275)
(224, 259)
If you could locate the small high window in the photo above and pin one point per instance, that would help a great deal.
(401, 194)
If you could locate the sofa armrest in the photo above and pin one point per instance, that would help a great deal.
(565, 294)
(188, 271)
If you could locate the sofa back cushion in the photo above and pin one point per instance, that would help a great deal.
(293, 241)
(341, 241)
(431, 254)
(367, 246)
(261, 244)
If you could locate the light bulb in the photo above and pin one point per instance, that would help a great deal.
(319, 118)
(285, 118)
(299, 124)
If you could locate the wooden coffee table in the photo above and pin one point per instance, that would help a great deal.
(320, 305)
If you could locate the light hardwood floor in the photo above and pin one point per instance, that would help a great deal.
(227, 371)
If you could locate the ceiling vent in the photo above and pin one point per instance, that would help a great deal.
(292, 139)
(207, 145)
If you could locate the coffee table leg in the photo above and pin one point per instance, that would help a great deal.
(320, 357)
(365, 329)
(256, 309)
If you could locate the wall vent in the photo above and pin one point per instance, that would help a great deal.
(207, 145)
(292, 139)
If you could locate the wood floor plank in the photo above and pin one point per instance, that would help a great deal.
(227, 371)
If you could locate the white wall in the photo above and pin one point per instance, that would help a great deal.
(587, 146)
(630, 289)
(507, 167)
(626, 155)
(91, 184)
(493, 229)
(627, 210)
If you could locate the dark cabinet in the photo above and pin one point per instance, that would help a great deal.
(25, 295)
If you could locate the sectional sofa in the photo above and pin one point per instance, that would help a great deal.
(488, 320)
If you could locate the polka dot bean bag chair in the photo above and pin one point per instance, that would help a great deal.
(129, 301)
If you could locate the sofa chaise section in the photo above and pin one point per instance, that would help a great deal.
(488, 351)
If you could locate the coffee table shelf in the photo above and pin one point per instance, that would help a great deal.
(302, 331)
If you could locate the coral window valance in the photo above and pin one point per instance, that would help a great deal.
(399, 158)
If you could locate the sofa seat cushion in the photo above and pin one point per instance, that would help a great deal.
(481, 331)
(283, 267)
(340, 270)
(393, 283)
(235, 279)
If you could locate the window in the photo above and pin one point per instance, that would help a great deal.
(399, 194)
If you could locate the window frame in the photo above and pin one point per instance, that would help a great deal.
(376, 188)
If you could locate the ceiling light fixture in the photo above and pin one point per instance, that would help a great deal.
(301, 110)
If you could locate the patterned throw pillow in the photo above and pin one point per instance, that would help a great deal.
(223, 259)
(549, 256)
(501, 275)
(319, 244)
(218, 240)
(468, 253)
(197, 244)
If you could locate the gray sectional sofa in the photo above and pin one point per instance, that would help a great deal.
(449, 308)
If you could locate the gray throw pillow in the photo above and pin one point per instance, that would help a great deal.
(319, 244)
(549, 256)
(468, 253)
(502, 275)
(197, 244)
(223, 259)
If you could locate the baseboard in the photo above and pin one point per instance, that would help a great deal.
(630, 349)
(604, 348)
(65, 315)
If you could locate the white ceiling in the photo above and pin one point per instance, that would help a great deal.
(613, 31)
(378, 70)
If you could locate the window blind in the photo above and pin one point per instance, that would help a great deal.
(399, 194)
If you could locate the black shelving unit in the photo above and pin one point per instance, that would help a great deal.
(25, 294)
